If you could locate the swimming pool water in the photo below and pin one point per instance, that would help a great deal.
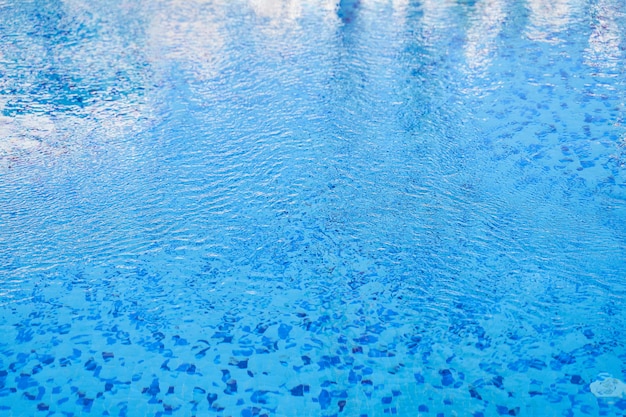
(303, 208)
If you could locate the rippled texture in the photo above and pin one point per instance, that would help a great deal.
(287, 208)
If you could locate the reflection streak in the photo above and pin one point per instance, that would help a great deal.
(481, 36)
(604, 41)
(549, 18)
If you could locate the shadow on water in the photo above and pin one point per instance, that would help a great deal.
(348, 10)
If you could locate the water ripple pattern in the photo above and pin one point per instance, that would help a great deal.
(313, 208)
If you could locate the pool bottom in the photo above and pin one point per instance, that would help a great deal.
(94, 346)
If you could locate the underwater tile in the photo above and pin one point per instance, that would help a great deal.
(324, 399)
(299, 390)
(366, 339)
(250, 412)
(153, 389)
(260, 397)
(577, 379)
(231, 387)
(446, 377)
(474, 394)
(284, 330)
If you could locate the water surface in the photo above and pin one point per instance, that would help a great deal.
(288, 208)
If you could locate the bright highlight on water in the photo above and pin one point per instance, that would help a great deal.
(312, 208)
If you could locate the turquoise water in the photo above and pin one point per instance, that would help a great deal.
(284, 208)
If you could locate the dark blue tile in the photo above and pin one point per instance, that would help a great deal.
(577, 379)
(153, 389)
(283, 331)
(24, 381)
(446, 377)
(231, 387)
(324, 399)
(250, 412)
(366, 339)
(376, 353)
(621, 404)
(259, 397)
(300, 390)
(46, 359)
(91, 364)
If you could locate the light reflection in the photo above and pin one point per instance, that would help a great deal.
(400, 10)
(195, 35)
(436, 19)
(604, 41)
(70, 93)
(27, 139)
(190, 33)
(279, 22)
(549, 18)
(284, 16)
(280, 13)
(486, 25)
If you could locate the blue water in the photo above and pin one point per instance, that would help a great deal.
(285, 208)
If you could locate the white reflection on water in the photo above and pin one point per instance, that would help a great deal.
(112, 64)
(195, 33)
(279, 12)
(486, 25)
(190, 33)
(279, 23)
(549, 18)
(73, 82)
(436, 20)
(29, 137)
(604, 42)
(400, 10)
